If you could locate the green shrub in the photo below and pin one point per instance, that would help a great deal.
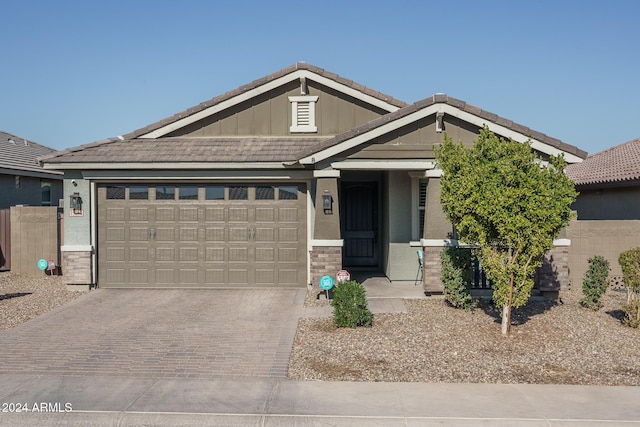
(630, 263)
(456, 277)
(595, 282)
(350, 305)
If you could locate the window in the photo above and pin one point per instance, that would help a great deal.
(422, 203)
(238, 193)
(265, 193)
(116, 192)
(303, 114)
(165, 193)
(138, 192)
(45, 187)
(188, 192)
(18, 181)
(214, 192)
(288, 192)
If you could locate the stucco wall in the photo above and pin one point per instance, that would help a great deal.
(606, 237)
(608, 204)
(77, 229)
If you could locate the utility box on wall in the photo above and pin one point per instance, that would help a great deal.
(34, 236)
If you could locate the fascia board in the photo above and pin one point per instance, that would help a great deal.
(425, 112)
(263, 89)
(167, 166)
(383, 165)
(191, 175)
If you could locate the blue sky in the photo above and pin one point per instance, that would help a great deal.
(79, 71)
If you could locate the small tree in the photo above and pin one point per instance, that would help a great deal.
(502, 199)
(630, 263)
(595, 282)
(456, 276)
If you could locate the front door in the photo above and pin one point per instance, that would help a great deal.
(359, 224)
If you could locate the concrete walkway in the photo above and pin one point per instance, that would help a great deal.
(115, 401)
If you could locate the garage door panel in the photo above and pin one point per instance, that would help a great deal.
(289, 255)
(116, 214)
(238, 254)
(138, 276)
(138, 234)
(265, 255)
(215, 276)
(237, 234)
(238, 276)
(265, 276)
(214, 254)
(165, 255)
(188, 254)
(115, 253)
(115, 234)
(214, 214)
(116, 276)
(265, 234)
(139, 254)
(238, 214)
(288, 276)
(265, 214)
(215, 234)
(166, 214)
(188, 276)
(188, 234)
(288, 234)
(288, 214)
(165, 234)
(165, 276)
(139, 214)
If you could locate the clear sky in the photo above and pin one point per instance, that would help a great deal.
(75, 72)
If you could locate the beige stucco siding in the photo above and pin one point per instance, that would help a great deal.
(270, 114)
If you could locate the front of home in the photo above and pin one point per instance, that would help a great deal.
(277, 183)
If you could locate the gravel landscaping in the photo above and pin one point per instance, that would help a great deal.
(24, 298)
(550, 343)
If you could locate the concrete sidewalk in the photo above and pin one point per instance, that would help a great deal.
(121, 401)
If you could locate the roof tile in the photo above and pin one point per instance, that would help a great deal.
(615, 165)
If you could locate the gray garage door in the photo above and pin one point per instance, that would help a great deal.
(171, 235)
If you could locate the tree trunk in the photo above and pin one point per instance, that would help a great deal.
(506, 319)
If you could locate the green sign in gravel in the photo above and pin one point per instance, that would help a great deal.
(43, 264)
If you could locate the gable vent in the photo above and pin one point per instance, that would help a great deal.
(303, 114)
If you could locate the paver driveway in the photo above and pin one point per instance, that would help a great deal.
(148, 333)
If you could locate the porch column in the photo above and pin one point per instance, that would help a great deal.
(326, 245)
(437, 234)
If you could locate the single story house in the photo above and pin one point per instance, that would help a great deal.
(608, 208)
(23, 181)
(276, 183)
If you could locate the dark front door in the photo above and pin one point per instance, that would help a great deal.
(359, 224)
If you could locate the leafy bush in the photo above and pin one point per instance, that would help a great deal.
(456, 277)
(595, 282)
(350, 307)
(630, 263)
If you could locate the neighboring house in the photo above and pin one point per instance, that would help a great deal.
(23, 181)
(277, 183)
(608, 207)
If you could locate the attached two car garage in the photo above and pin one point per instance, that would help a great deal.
(202, 235)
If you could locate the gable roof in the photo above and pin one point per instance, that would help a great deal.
(19, 156)
(619, 165)
(148, 144)
(264, 84)
(448, 105)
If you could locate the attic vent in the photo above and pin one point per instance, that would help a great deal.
(303, 113)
